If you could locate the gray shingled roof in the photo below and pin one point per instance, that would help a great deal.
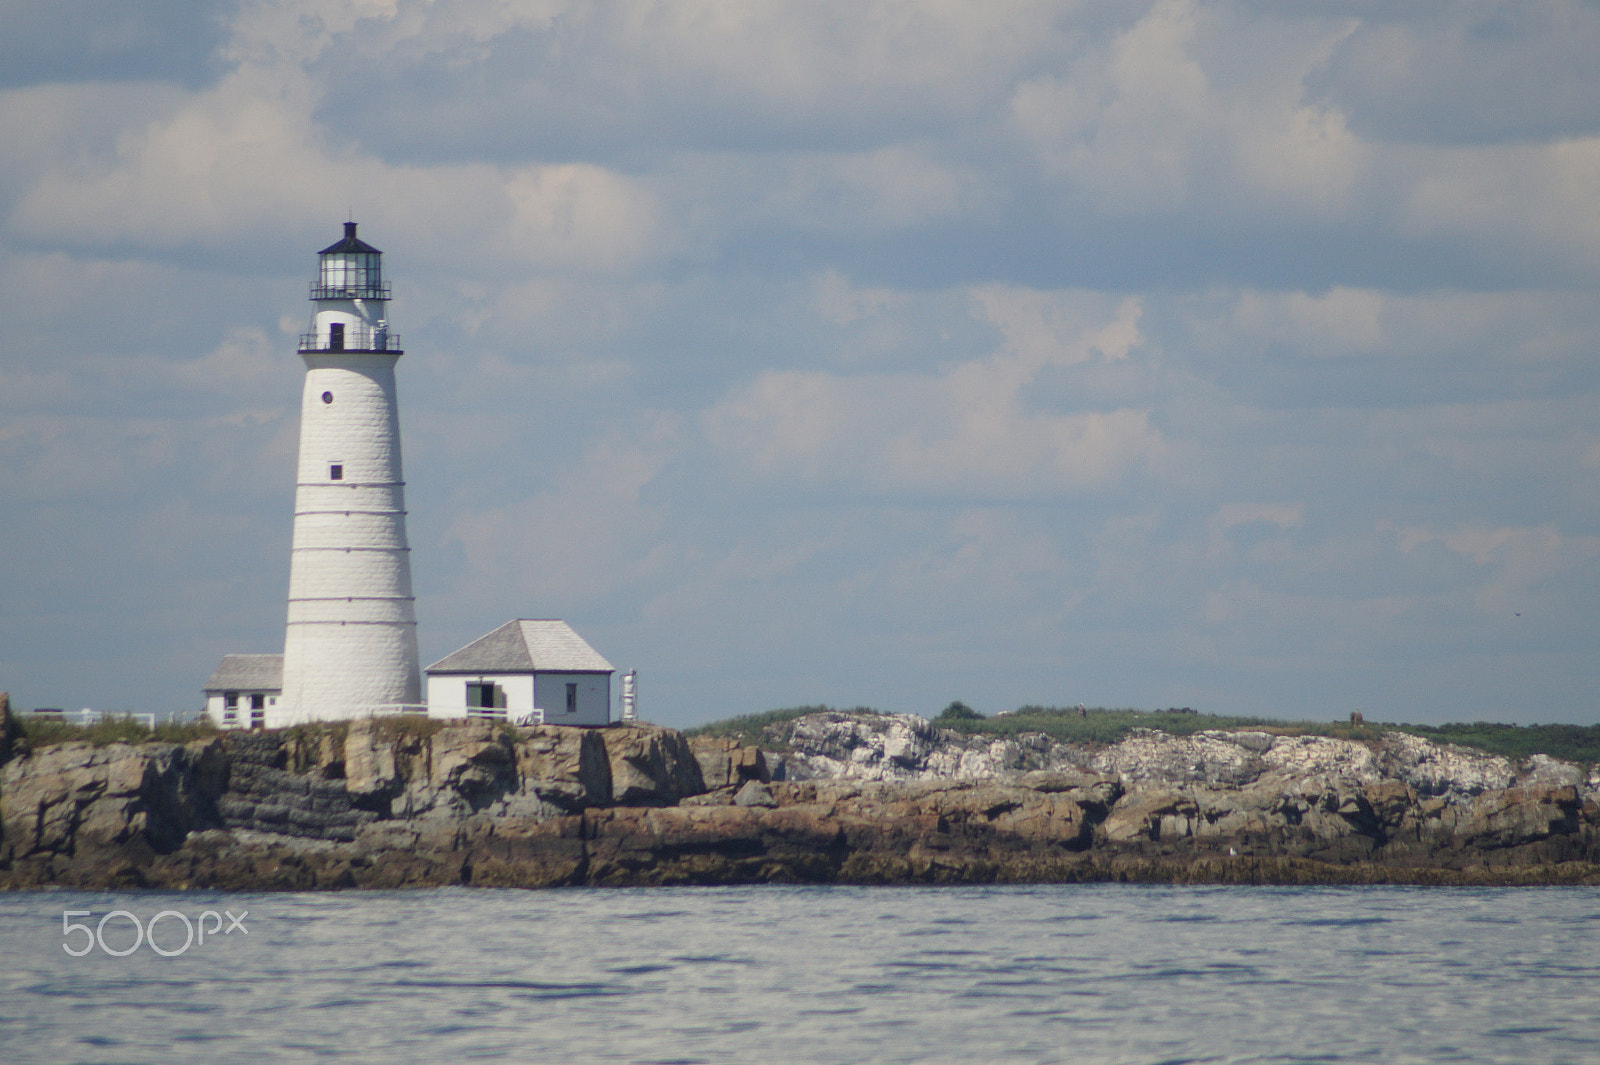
(524, 646)
(247, 673)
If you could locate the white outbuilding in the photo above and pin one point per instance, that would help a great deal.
(242, 689)
(524, 670)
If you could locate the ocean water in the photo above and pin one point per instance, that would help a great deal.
(1079, 974)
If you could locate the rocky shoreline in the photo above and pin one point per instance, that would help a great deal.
(833, 798)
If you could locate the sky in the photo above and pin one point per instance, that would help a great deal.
(1235, 355)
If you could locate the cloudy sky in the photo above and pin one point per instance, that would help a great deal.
(1237, 355)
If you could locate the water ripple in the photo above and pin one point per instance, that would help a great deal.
(717, 976)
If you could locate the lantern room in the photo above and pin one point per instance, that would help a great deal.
(352, 269)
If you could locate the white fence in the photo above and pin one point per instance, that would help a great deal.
(87, 716)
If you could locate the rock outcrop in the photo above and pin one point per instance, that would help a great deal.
(10, 730)
(728, 764)
(651, 766)
(74, 798)
(870, 799)
(858, 746)
(263, 796)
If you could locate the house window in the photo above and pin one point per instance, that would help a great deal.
(258, 701)
(258, 718)
(336, 336)
(230, 707)
(572, 698)
(336, 472)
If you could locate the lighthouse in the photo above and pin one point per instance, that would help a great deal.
(350, 647)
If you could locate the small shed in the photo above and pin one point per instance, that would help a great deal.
(524, 670)
(241, 689)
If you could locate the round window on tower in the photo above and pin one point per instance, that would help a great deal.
(327, 397)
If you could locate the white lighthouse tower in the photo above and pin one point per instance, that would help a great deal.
(350, 649)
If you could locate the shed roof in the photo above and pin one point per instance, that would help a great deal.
(247, 673)
(526, 646)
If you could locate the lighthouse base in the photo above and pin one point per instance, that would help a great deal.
(336, 671)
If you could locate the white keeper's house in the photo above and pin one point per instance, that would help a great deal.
(526, 669)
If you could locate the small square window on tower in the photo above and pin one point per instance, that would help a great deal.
(336, 472)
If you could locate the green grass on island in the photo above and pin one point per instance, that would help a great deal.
(39, 732)
(113, 728)
(1094, 726)
(1097, 726)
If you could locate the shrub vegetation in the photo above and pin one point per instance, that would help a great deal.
(955, 712)
(1098, 726)
(114, 728)
(758, 729)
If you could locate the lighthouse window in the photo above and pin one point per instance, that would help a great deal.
(327, 397)
(336, 336)
(336, 472)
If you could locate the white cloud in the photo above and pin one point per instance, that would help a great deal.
(1535, 200)
(969, 430)
(1340, 321)
(245, 361)
(839, 302)
(1155, 123)
(1532, 572)
(838, 194)
(1230, 516)
(580, 217)
(223, 161)
(1425, 332)
(52, 127)
(1046, 328)
(1465, 73)
(228, 164)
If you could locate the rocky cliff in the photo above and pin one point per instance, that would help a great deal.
(857, 798)
(883, 747)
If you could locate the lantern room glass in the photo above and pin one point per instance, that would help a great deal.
(355, 272)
